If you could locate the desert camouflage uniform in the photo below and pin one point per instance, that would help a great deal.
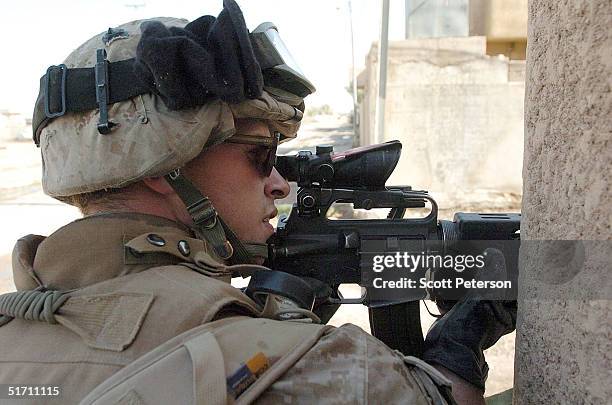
(126, 302)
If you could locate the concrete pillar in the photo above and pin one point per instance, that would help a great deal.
(564, 331)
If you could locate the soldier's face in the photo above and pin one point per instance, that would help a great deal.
(230, 175)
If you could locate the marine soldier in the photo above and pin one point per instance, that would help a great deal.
(164, 134)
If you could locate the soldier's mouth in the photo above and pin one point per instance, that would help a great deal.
(273, 214)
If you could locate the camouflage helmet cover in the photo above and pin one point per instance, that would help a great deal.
(150, 139)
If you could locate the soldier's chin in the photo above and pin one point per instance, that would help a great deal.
(269, 229)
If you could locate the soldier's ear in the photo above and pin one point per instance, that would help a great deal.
(158, 185)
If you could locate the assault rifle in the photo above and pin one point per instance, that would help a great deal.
(327, 253)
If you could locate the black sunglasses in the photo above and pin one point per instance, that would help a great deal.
(265, 164)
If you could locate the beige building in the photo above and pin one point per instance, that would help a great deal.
(504, 25)
(456, 103)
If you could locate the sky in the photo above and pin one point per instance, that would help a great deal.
(37, 34)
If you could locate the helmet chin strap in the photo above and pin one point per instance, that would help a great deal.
(208, 225)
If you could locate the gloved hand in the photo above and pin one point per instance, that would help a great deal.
(458, 339)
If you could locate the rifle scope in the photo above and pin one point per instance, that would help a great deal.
(366, 168)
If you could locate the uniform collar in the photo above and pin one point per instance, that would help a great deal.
(89, 250)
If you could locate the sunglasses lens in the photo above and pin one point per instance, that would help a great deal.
(271, 158)
(270, 162)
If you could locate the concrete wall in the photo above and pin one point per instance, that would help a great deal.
(457, 111)
(564, 348)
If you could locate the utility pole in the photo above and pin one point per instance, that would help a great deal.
(407, 15)
(356, 140)
(383, 45)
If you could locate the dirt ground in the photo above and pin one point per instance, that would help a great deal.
(24, 209)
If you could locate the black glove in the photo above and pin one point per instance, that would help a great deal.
(458, 339)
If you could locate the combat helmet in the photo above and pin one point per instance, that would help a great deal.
(143, 99)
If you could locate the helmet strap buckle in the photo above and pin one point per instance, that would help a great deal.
(102, 83)
(208, 225)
